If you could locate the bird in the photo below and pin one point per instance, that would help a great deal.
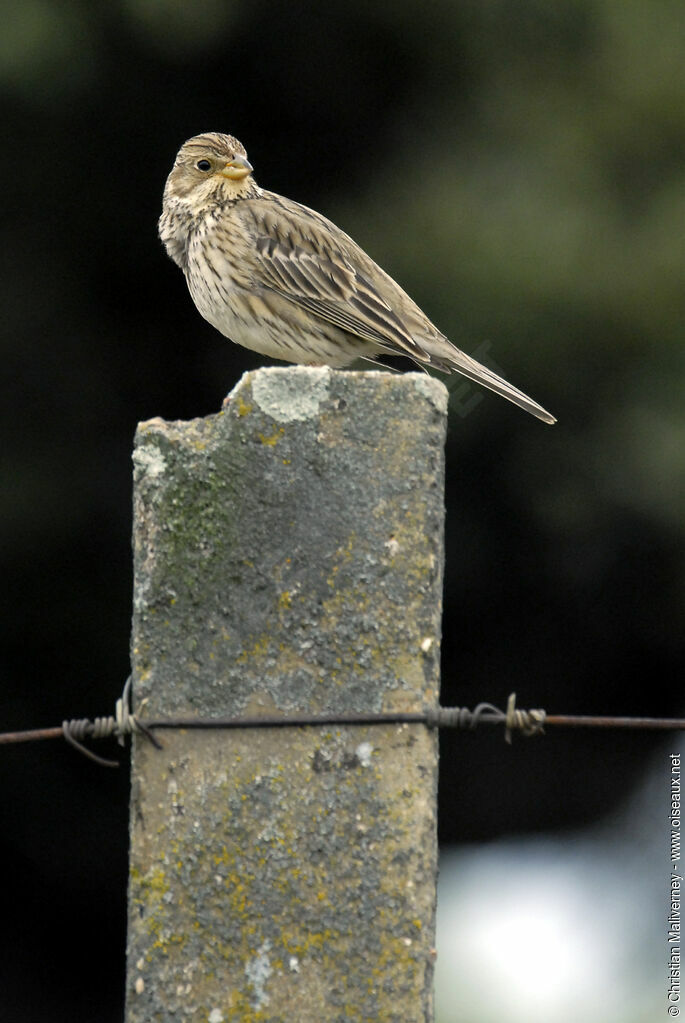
(280, 279)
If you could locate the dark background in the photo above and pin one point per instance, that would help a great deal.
(519, 168)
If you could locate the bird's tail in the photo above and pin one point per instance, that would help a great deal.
(448, 359)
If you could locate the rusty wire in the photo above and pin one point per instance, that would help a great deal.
(525, 722)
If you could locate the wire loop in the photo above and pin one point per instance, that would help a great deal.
(529, 722)
(122, 724)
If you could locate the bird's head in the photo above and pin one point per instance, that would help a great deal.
(208, 167)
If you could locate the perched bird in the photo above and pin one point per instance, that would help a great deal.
(282, 280)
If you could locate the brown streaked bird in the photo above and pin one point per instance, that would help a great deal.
(282, 280)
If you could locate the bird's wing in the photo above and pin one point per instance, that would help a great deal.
(306, 259)
(315, 265)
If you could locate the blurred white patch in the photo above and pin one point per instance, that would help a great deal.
(149, 461)
(392, 545)
(565, 930)
(258, 970)
(363, 752)
(292, 394)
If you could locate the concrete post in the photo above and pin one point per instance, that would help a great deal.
(288, 557)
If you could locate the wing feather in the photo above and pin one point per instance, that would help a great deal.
(307, 260)
(295, 257)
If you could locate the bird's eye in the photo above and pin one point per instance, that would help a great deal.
(203, 165)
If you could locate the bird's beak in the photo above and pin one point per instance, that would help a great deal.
(237, 168)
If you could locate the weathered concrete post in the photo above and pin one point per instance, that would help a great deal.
(288, 557)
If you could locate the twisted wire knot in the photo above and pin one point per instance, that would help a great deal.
(528, 722)
(123, 723)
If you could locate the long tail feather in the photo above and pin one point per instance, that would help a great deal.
(455, 359)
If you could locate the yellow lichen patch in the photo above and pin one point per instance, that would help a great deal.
(242, 406)
(273, 438)
(258, 649)
(305, 942)
(154, 881)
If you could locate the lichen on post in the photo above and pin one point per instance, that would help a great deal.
(288, 557)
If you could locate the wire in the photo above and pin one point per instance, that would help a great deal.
(527, 722)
